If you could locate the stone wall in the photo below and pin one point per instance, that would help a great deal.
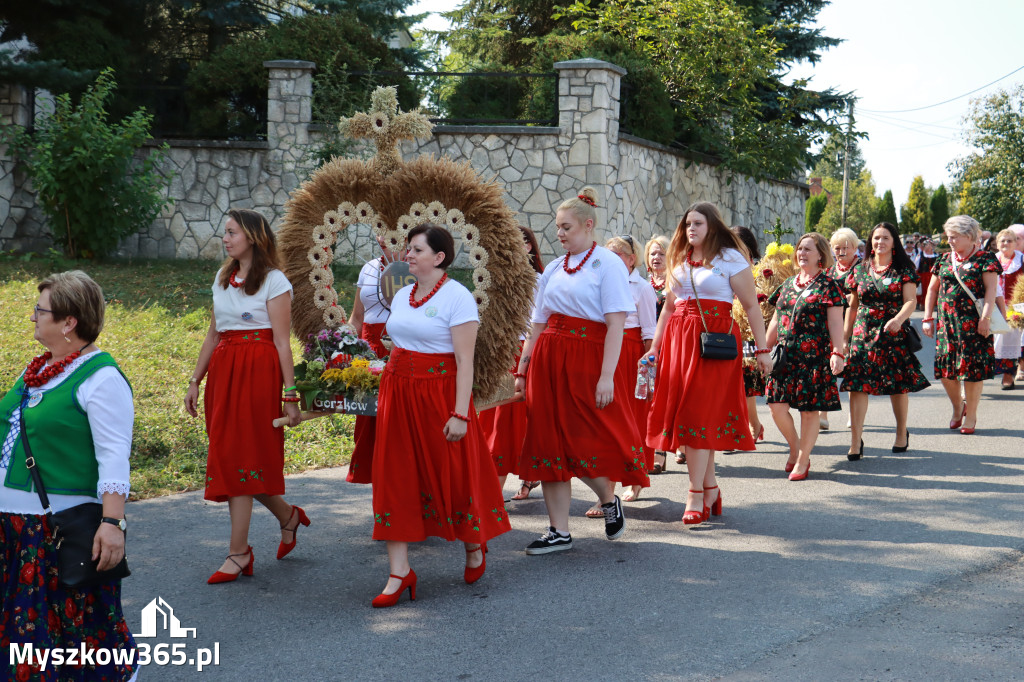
(642, 187)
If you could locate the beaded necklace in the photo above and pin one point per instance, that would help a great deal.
(234, 282)
(573, 271)
(35, 378)
(415, 287)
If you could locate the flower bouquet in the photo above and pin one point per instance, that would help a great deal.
(339, 373)
(769, 274)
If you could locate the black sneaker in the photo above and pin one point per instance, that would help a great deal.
(552, 541)
(614, 519)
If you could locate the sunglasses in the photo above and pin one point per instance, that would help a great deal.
(629, 240)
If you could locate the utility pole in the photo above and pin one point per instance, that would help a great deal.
(846, 163)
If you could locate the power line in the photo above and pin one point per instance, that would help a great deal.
(913, 130)
(886, 119)
(939, 104)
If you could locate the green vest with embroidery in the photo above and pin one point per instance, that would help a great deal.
(59, 434)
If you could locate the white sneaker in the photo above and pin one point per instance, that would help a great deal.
(823, 422)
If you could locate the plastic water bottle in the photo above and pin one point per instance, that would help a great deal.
(641, 381)
(652, 370)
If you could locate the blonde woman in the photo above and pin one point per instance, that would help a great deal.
(808, 321)
(1007, 346)
(964, 355)
(844, 242)
(655, 252)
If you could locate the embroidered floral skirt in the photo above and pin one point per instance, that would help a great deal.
(698, 402)
(360, 469)
(567, 436)
(242, 400)
(625, 373)
(504, 429)
(36, 609)
(424, 485)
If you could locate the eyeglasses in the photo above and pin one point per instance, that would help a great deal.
(41, 310)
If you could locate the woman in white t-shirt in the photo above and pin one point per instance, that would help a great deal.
(579, 422)
(636, 342)
(247, 352)
(700, 403)
(368, 318)
(432, 474)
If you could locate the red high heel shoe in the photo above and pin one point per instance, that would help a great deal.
(760, 434)
(382, 601)
(471, 575)
(284, 548)
(799, 477)
(716, 506)
(954, 425)
(694, 516)
(789, 466)
(221, 577)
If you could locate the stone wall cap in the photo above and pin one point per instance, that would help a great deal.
(289, 64)
(497, 130)
(590, 63)
(207, 144)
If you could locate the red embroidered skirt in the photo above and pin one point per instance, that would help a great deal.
(360, 468)
(625, 374)
(504, 429)
(698, 403)
(242, 399)
(424, 485)
(566, 434)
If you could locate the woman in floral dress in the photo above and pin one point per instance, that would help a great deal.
(883, 295)
(808, 320)
(844, 243)
(963, 350)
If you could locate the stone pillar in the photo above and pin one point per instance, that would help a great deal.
(22, 225)
(588, 116)
(289, 113)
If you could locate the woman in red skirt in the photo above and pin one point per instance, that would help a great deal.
(248, 354)
(504, 427)
(579, 419)
(639, 332)
(700, 403)
(368, 318)
(432, 474)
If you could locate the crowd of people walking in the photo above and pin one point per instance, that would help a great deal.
(841, 324)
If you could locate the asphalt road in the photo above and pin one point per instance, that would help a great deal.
(898, 567)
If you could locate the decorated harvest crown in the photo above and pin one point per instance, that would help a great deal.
(392, 197)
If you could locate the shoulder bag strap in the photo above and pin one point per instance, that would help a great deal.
(956, 273)
(700, 308)
(30, 462)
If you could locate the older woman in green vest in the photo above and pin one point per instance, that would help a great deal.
(72, 409)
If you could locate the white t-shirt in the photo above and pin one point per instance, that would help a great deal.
(645, 315)
(233, 309)
(374, 311)
(107, 400)
(427, 329)
(599, 288)
(712, 284)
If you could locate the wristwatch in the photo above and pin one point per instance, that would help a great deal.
(120, 523)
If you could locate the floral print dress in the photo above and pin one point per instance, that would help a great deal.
(880, 363)
(960, 352)
(807, 384)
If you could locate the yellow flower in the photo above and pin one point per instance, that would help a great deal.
(787, 249)
(332, 375)
(772, 249)
(360, 363)
(787, 263)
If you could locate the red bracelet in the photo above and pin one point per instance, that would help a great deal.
(459, 416)
(838, 354)
(761, 351)
(517, 375)
(296, 399)
(928, 319)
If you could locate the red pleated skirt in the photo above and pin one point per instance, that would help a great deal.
(360, 468)
(625, 373)
(567, 436)
(242, 399)
(423, 485)
(698, 403)
(504, 429)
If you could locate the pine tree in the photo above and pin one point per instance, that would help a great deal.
(916, 213)
(887, 209)
(815, 207)
(940, 208)
(830, 159)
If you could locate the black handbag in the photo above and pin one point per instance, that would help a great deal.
(714, 345)
(73, 531)
(780, 359)
(914, 342)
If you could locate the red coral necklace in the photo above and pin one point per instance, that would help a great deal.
(234, 282)
(655, 286)
(841, 268)
(573, 271)
(34, 377)
(880, 271)
(415, 287)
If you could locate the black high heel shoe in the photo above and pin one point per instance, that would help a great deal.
(902, 448)
(854, 456)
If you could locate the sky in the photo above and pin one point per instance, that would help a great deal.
(899, 55)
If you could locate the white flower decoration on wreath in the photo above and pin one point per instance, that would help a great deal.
(482, 300)
(478, 256)
(323, 235)
(347, 212)
(317, 257)
(321, 277)
(393, 240)
(364, 213)
(324, 297)
(418, 212)
(332, 317)
(456, 221)
(436, 213)
(406, 223)
(481, 279)
(470, 236)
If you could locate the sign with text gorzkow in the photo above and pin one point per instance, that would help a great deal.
(342, 403)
